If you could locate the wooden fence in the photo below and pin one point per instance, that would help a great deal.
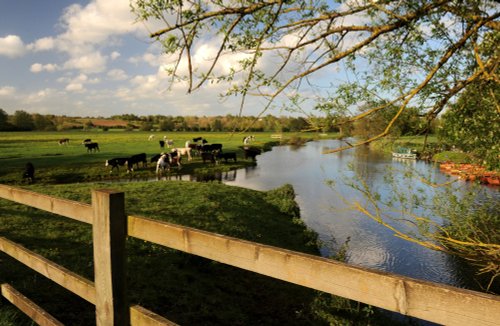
(426, 300)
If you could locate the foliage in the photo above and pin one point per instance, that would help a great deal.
(146, 126)
(4, 122)
(409, 124)
(43, 123)
(22, 120)
(473, 123)
(399, 53)
(284, 198)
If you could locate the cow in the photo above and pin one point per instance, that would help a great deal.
(168, 142)
(64, 141)
(248, 139)
(163, 164)
(175, 158)
(86, 141)
(155, 158)
(227, 156)
(208, 156)
(251, 152)
(212, 148)
(92, 147)
(166, 160)
(184, 151)
(29, 172)
(116, 162)
(197, 139)
(162, 144)
(136, 159)
(195, 148)
(151, 137)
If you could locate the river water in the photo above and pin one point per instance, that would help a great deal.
(326, 208)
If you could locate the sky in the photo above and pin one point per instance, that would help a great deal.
(90, 59)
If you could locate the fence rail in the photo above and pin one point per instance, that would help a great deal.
(426, 300)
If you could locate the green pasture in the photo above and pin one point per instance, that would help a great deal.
(70, 163)
(184, 288)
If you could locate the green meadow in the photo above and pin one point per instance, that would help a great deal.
(71, 163)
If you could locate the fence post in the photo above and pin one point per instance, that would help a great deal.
(109, 230)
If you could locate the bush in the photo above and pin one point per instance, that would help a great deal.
(284, 199)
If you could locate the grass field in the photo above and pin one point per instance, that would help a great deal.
(189, 290)
(70, 163)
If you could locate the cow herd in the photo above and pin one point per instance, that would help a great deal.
(164, 161)
(199, 146)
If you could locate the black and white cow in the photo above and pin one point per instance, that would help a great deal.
(175, 157)
(116, 162)
(29, 172)
(92, 147)
(163, 164)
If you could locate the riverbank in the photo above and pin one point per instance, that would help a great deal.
(433, 151)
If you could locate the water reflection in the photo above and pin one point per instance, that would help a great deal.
(219, 176)
(329, 211)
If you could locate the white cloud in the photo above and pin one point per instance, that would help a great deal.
(77, 84)
(38, 67)
(43, 44)
(46, 94)
(117, 74)
(148, 57)
(88, 63)
(75, 87)
(7, 91)
(97, 21)
(12, 46)
(87, 30)
(114, 55)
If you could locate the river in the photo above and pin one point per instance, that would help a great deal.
(326, 208)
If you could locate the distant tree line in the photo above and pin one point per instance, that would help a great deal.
(24, 121)
(217, 123)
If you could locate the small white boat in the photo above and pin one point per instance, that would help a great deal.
(405, 153)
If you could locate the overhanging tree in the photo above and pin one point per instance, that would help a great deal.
(292, 52)
(382, 55)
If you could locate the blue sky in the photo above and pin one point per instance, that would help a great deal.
(90, 58)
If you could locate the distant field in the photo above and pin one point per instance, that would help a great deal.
(56, 163)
